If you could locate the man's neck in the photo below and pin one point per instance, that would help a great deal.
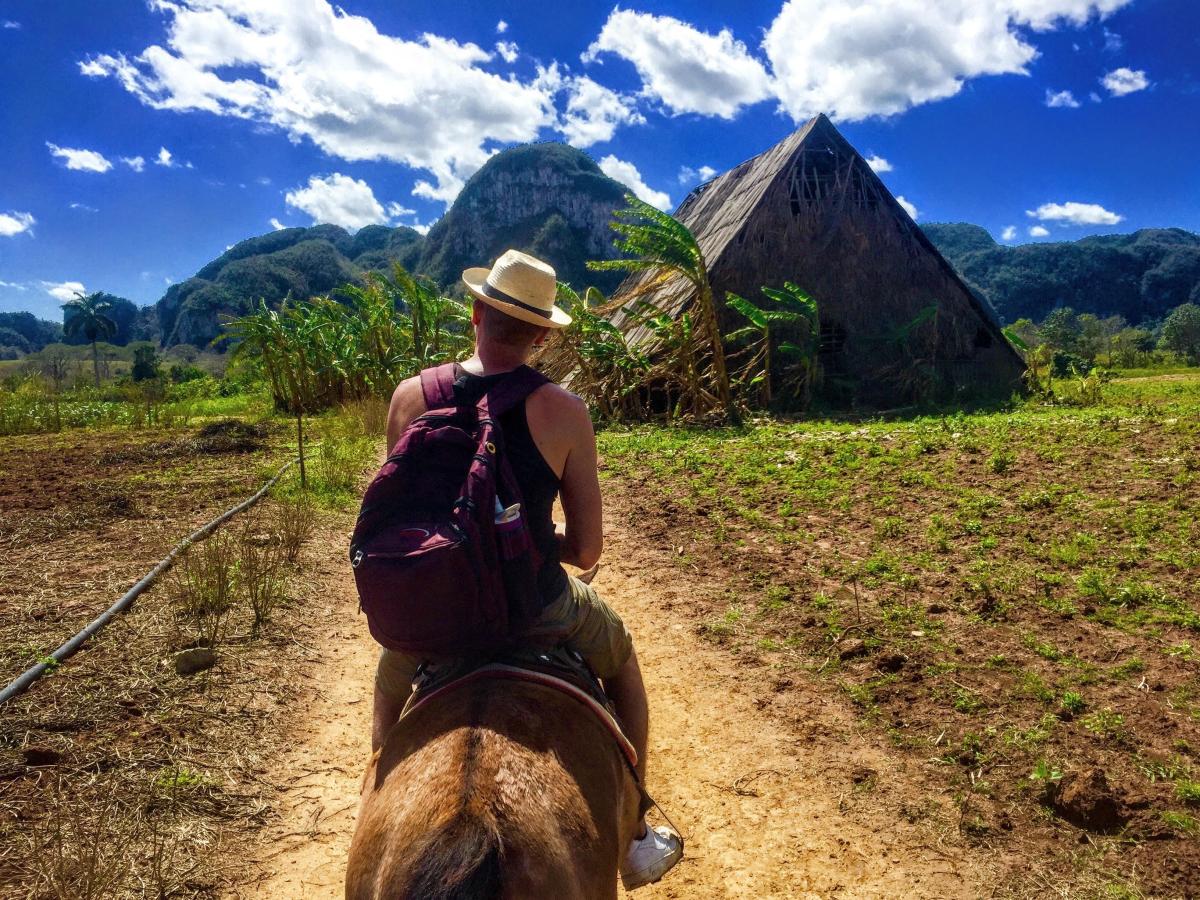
(494, 360)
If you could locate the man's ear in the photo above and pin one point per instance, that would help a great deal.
(541, 338)
(476, 313)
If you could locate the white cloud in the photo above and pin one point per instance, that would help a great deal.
(276, 225)
(593, 112)
(688, 175)
(338, 199)
(1094, 97)
(62, 291)
(879, 165)
(14, 223)
(167, 160)
(137, 163)
(1072, 213)
(1044, 15)
(397, 211)
(419, 228)
(9, 23)
(501, 27)
(1113, 42)
(1037, 231)
(1009, 233)
(1061, 100)
(688, 70)
(508, 51)
(861, 58)
(908, 207)
(83, 207)
(330, 77)
(13, 286)
(80, 160)
(1120, 82)
(628, 175)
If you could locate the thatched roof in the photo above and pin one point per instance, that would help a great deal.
(714, 212)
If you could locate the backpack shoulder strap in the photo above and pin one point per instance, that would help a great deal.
(437, 386)
(510, 391)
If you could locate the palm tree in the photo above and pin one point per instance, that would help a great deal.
(664, 247)
(89, 316)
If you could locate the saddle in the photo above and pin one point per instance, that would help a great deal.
(560, 668)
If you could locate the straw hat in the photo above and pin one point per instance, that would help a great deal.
(520, 285)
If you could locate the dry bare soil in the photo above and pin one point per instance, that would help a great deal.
(115, 772)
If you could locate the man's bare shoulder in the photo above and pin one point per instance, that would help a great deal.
(408, 389)
(408, 402)
(555, 400)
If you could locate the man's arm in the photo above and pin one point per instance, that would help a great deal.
(581, 540)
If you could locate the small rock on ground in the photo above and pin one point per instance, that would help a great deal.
(197, 659)
(1088, 801)
(852, 648)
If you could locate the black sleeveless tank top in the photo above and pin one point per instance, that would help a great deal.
(539, 485)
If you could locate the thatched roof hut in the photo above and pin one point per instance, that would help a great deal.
(897, 322)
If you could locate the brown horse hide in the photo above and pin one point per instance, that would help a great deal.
(500, 789)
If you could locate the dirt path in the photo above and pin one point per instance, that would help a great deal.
(776, 799)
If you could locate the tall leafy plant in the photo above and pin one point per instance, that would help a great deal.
(663, 247)
(782, 338)
(595, 357)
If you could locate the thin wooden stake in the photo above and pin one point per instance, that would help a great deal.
(300, 451)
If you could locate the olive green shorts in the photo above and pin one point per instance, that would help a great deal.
(578, 618)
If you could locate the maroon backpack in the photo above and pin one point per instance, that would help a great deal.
(437, 573)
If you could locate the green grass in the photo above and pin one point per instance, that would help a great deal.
(27, 411)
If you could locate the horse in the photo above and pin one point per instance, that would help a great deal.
(499, 789)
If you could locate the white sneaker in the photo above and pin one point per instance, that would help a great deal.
(651, 857)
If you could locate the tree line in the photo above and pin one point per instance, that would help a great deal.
(1081, 341)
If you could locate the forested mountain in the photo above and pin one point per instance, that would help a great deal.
(297, 261)
(23, 332)
(1141, 276)
(548, 199)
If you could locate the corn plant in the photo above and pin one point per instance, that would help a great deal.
(359, 343)
(677, 367)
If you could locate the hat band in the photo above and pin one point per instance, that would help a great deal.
(497, 294)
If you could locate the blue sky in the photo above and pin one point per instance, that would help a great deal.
(142, 138)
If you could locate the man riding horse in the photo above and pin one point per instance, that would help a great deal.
(550, 446)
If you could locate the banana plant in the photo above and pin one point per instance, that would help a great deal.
(793, 314)
(597, 358)
(663, 247)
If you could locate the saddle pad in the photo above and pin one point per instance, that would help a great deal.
(515, 673)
